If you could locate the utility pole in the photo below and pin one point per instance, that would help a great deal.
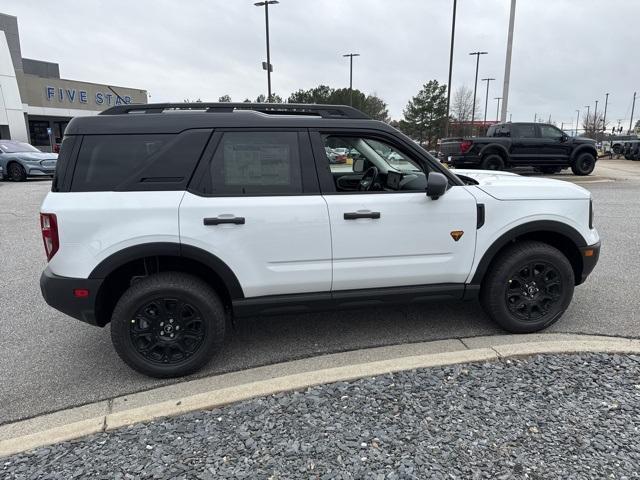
(268, 67)
(486, 98)
(507, 63)
(595, 121)
(604, 118)
(577, 122)
(351, 55)
(475, 87)
(453, 33)
(498, 107)
(535, 117)
(633, 107)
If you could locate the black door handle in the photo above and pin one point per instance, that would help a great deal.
(219, 221)
(356, 215)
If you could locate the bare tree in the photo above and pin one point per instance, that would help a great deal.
(594, 126)
(462, 107)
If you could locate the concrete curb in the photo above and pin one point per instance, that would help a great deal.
(213, 392)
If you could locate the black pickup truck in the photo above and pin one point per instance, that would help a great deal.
(539, 145)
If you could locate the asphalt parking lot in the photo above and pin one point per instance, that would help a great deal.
(49, 361)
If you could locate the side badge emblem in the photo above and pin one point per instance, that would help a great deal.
(457, 234)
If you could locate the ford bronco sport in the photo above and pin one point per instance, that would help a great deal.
(165, 220)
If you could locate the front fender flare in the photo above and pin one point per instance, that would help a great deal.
(530, 227)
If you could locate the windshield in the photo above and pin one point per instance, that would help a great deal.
(16, 147)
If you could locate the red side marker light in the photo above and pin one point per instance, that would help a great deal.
(80, 292)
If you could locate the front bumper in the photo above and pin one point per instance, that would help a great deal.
(590, 255)
(58, 292)
(40, 171)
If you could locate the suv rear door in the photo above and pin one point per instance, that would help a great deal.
(392, 238)
(255, 204)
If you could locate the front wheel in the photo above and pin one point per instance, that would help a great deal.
(528, 288)
(168, 325)
(584, 164)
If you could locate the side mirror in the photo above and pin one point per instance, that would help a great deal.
(358, 165)
(564, 138)
(437, 185)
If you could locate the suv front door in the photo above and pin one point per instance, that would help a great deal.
(255, 205)
(392, 237)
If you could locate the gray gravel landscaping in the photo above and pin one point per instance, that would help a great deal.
(552, 416)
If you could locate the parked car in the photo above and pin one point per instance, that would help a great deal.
(167, 224)
(617, 143)
(19, 160)
(539, 145)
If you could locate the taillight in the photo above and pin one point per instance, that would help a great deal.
(465, 146)
(49, 226)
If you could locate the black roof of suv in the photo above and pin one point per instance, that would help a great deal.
(176, 117)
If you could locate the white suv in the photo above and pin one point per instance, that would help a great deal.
(164, 220)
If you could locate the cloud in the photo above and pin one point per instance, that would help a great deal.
(567, 53)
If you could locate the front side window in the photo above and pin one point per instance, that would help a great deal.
(353, 157)
(548, 131)
(256, 163)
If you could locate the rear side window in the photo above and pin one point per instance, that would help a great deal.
(499, 131)
(525, 131)
(138, 162)
(256, 163)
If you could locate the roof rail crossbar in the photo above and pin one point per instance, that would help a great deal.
(324, 111)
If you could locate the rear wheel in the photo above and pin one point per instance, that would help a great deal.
(168, 325)
(583, 164)
(528, 288)
(16, 172)
(492, 162)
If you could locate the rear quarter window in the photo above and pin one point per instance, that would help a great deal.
(138, 162)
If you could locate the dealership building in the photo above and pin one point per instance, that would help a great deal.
(36, 104)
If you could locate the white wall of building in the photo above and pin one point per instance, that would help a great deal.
(11, 111)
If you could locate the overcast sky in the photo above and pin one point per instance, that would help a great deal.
(566, 54)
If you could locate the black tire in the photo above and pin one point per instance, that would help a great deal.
(550, 170)
(16, 172)
(492, 161)
(140, 319)
(617, 149)
(583, 164)
(528, 288)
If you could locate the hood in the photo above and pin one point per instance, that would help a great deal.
(581, 140)
(510, 186)
(34, 155)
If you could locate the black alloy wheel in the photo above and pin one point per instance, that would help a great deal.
(167, 330)
(532, 290)
(16, 172)
(168, 324)
(492, 162)
(528, 286)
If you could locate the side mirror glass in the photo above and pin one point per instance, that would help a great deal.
(437, 185)
(358, 165)
(564, 137)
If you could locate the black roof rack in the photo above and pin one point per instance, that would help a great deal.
(324, 111)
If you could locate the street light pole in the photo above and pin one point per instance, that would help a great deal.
(486, 98)
(577, 121)
(595, 121)
(507, 63)
(475, 87)
(633, 107)
(604, 118)
(351, 55)
(269, 67)
(453, 33)
(498, 108)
